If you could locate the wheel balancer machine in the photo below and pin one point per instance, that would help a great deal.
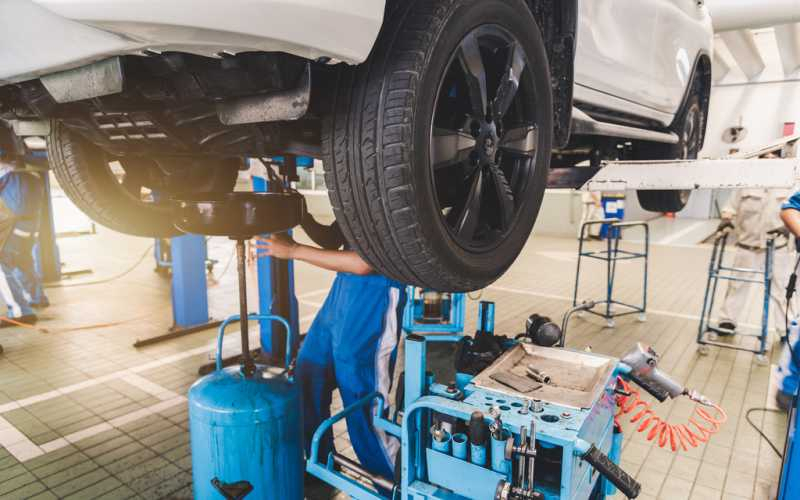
(501, 434)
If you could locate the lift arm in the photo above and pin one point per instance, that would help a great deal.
(696, 174)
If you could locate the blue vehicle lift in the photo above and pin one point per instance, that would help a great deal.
(276, 294)
(189, 290)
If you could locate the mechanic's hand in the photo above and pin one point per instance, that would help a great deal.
(280, 246)
(724, 224)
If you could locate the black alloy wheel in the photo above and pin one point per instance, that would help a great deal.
(437, 149)
(484, 138)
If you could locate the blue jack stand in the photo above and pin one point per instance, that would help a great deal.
(189, 290)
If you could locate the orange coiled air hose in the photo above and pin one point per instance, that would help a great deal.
(700, 427)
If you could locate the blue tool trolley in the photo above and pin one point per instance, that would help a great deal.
(564, 435)
(717, 270)
(611, 255)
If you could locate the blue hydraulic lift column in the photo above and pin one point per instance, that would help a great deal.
(276, 291)
(47, 257)
(189, 286)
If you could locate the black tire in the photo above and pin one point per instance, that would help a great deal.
(377, 145)
(690, 129)
(83, 172)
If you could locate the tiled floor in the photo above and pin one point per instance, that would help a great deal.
(85, 415)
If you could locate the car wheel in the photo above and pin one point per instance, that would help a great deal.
(436, 154)
(130, 194)
(690, 134)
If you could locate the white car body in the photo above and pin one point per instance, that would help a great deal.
(637, 56)
(633, 56)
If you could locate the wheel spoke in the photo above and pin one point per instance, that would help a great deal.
(468, 216)
(475, 72)
(509, 84)
(521, 141)
(449, 147)
(504, 195)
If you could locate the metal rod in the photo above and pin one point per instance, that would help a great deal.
(249, 367)
(379, 481)
(521, 460)
(532, 455)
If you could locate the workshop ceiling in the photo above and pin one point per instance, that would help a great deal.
(738, 23)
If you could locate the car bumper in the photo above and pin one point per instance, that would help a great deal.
(41, 37)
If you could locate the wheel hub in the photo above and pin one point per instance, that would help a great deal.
(487, 142)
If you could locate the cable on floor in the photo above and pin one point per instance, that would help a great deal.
(105, 280)
(759, 431)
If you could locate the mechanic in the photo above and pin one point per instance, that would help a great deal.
(22, 194)
(751, 213)
(592, 209)
(351, 343)
(790, 381)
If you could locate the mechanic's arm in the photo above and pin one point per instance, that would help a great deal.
(791, 218)
(282, 246)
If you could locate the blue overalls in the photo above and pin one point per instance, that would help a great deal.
(352, 345)
(789, 366)
(20, 285)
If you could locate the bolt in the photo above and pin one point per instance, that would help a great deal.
(525, 408)
(538, 406)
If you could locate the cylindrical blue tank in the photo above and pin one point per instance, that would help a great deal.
(246, 433)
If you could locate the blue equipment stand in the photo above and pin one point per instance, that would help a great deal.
(717, 270)
(431, 470)
(189, 290)
(612, 254)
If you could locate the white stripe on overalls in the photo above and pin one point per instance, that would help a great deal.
(383, 357)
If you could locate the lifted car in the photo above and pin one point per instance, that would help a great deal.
(436, 120)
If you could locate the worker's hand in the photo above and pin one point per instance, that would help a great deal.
(724, 224)
(280, 246)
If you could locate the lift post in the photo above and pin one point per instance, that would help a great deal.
(189, 289)
(276, 291)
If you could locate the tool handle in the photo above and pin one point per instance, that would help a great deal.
(257, 317)
(478, 429)
(656, 391)
(613, 472)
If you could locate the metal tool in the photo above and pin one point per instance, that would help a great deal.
(496, 427)
(478, 437)
(537, 375)
(642, 362)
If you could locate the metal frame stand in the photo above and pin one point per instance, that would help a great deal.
(189, 290)
(717, 270)
(611, 255)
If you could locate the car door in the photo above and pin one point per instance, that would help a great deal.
(615, 49)
(682, 31)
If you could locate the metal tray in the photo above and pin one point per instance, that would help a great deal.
(237, 215)
(577, 378)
